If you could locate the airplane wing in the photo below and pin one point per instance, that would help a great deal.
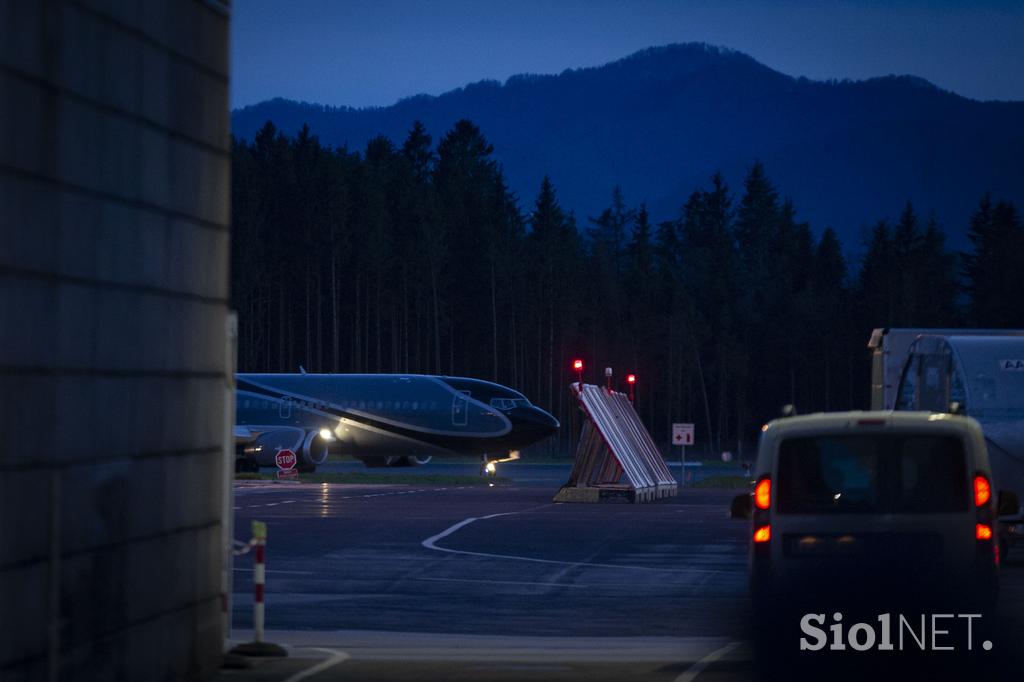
(244, 435)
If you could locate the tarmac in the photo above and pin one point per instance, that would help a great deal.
(434, 582)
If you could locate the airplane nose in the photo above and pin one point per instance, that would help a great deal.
(547, 422)
(539, 423)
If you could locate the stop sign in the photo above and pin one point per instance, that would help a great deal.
(285, 459)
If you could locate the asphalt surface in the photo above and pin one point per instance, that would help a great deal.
(410, 582)
(524, 473)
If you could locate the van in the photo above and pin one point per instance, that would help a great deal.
(855, 504)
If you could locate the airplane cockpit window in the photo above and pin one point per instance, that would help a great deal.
(509, 403)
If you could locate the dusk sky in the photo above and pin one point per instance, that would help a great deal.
(374, 52)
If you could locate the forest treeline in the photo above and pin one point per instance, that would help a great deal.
(417, 258)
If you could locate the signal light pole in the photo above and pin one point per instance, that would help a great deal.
(631, 380)
(578, 366)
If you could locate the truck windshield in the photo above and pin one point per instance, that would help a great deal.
(879, 473)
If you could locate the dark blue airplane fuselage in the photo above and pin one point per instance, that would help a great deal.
(387, 415)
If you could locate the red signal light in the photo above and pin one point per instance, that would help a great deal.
(983, 532)
(631, 379)
(764, 534)
(577, 365)
(982, 491)
(763, 493)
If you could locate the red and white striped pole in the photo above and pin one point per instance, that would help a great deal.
(259, 576)
(257, 647)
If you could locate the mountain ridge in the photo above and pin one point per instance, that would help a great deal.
(660, 121)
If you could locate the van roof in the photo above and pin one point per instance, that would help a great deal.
(857, 418)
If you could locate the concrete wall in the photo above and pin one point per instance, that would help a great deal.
(114, 205)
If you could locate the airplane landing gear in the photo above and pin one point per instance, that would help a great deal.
(246, 465)
(488, 467)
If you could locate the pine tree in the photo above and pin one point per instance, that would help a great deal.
(830, 330)
(877, 279)
(937, 286)
(992, 270)
(756, 229)
(476, 208)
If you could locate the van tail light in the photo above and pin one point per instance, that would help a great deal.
(762, 518)
(984, 526)
(982, 491)
(763, 494)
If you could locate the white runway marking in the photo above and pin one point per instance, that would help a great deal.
(431, 543)
(691, 673)
(336, 657)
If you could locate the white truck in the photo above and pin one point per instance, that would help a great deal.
(975, 372)
(890, 349)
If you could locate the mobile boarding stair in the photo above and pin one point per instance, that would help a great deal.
(615, 457)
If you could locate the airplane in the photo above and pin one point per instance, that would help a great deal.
(382, 419)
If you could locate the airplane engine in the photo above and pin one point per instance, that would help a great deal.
(267, 444)
(309, 447)
(314, 452)
(411, 461)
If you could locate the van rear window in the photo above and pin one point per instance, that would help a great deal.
(877, 473)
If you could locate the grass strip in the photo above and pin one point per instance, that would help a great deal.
(373, 478)
(730, 482)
